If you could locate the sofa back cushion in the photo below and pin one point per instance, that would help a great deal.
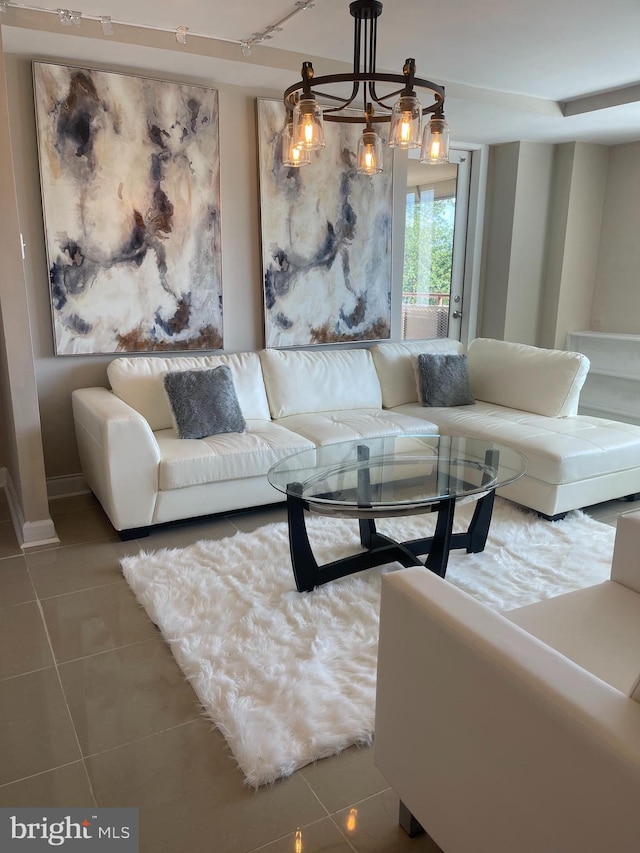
(395, 364)
(302, 381)
(531, 379)
(139, 382)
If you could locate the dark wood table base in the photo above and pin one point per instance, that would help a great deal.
(381, 549)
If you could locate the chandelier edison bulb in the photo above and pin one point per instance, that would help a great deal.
(308, 127)
(435, 142)
(292, 155)
(406, 123)
(369, 156)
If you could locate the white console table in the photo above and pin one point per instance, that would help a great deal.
(612, 388)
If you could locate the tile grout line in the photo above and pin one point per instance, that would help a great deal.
(140, 739)
(286, 835)
(116, 649)
(78, 591)
(329, 815)
(348, 840)
(66, 702)
(29, 672)
(40, 773)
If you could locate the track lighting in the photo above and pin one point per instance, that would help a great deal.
(69, 18)
(105, 23)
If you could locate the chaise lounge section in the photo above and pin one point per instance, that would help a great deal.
(143, 474)
(527, 398)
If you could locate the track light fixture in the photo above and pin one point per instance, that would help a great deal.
(404, 117)
(105, 23)
(267, 34)
(69, 18)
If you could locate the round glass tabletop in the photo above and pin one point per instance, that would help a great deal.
(394, 475)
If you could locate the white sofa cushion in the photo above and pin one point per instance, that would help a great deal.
(228, 456)
(559, 450)
(531, 379)
(139, 382)
(329, 427)
(395, 366)
(299, 381)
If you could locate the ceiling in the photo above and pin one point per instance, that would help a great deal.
(508, 66)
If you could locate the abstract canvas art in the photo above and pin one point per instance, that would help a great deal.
(326, 239)
(129, 171)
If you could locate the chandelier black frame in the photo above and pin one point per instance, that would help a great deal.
(366, 14)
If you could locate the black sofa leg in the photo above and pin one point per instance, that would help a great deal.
(409, 823)
(546, 517)
(133, 533)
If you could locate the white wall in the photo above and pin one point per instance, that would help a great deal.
(515, 249)
(580, 178)
(616, 298)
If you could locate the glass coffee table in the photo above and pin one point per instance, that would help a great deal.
(392, 476)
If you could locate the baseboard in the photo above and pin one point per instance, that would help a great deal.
(67, 486)
(30, 534)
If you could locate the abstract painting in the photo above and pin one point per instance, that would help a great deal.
(129, 170)
(326, 239)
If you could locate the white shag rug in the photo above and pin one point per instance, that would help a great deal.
(289, 678)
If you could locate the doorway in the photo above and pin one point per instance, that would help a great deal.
(437, 207)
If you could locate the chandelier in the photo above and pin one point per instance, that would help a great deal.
(304, 130)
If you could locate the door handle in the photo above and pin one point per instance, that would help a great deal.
(456, 315)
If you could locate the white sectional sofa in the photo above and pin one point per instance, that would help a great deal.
(144, 475)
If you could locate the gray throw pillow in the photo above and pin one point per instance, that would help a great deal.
(443, 380)
(204, 402)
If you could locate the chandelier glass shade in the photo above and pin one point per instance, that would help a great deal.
(308, 127)
(435, 142)
(406, 123)
(385, 99)
(292, 155)
(369, 155)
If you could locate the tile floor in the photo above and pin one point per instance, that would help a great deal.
(94, 710)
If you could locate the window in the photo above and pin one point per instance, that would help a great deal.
(428, 256)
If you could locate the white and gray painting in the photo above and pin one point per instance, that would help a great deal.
(326, 239)
(129, 170)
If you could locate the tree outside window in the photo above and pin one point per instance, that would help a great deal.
(428, 248)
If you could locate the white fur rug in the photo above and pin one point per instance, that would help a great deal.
(289, 678)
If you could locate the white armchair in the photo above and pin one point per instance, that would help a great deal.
(515, 732)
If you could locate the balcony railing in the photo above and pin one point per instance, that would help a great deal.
(425, 321)
(429, 298)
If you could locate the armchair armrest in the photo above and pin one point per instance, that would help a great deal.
(625, 567)
(493, 740)
(119, 456)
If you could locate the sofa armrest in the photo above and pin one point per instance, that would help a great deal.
(119, 456)
(485, 733)
(625, 566)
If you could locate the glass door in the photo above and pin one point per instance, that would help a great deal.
(437, 205)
